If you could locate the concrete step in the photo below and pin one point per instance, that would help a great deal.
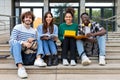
(63, 77)
(60, 69)
(110, 58)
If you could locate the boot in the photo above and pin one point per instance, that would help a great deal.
(49, 60)
(55, 60)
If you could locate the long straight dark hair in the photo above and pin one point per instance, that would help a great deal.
(45, 25)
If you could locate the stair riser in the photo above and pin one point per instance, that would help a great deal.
(64, 71)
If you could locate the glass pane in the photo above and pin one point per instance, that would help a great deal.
(24, 10)
(38, 16)
(96, 14)
(99, 4)
(108, 12)
(17, 14)
(64, 4)
(31, 4)
(56, 14)
(87, 10)
(76, 15)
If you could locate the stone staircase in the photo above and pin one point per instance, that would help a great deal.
(109, 72)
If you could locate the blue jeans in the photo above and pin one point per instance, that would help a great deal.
(101, 43)
(49, 47)
(40, 47)
(16, 48)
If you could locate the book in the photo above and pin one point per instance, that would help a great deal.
(49, 35)
(81, 37)
(69, 33)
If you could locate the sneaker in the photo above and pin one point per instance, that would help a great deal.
(85, 61)
(102, 60)
(65, 62)
(40, 63)
(72, 63)
(22, 73)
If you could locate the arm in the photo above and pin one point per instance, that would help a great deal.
(98, 30)
(60, 34)
(55, 32)
(14, 35)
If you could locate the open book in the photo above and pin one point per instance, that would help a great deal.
(49, 35)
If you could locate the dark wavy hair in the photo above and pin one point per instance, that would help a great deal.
(45, 26)
(28, 13)
(70, 10)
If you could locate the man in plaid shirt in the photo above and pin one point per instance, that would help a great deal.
(92, 30)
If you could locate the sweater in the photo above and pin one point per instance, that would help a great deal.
(63, 27)
(20, 33)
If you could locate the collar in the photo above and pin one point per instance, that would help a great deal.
(89, 25)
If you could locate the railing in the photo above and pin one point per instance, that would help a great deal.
(6, 25)
(111, 20)
(6, 22)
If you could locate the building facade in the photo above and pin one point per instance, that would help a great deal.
(106, 12)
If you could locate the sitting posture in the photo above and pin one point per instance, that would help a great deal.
(67, 32)
(48, 34)
(22, 36)
(93, 31)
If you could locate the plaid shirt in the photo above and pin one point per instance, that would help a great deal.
(94, 27)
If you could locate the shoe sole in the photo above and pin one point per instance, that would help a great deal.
(40, 66)
(86, 63)
(102, 64)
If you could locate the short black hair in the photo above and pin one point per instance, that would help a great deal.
(84, 14)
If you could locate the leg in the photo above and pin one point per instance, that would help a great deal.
(72, 51)
(52, 47)
(39, 61)
(80, 48)
(65, 46)
(40, 49)
(46, 48)
(101, 43)
(53, 50)
(16, 52)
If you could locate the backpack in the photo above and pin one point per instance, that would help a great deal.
(91, 48)
(29, 55)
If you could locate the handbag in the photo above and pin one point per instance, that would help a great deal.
(29, 54)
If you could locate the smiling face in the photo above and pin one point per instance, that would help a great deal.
(27, 19)
(85, 19)
(49, 18)
(68, 18)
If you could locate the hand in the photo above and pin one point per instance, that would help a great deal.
(55, 38)
(26, 44)
(90, 34)
(45, 38)
(30, 40)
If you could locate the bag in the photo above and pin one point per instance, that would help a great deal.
(91, 48)
(29, 55)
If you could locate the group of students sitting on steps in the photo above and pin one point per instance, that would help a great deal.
(39, 47)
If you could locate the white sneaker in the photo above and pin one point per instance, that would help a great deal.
(22, 73)
(65, 62)
(102, 60)
(72, 63)
(40, 63)
(85, 61)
